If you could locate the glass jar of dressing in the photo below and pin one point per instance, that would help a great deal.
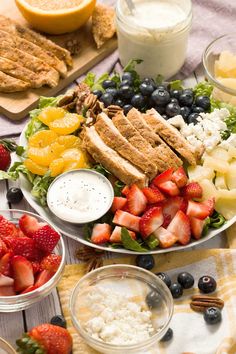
(156, 31)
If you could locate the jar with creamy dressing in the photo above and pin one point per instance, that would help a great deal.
(156, 31)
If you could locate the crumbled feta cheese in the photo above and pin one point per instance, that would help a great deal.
(121, 320)
(231, 141)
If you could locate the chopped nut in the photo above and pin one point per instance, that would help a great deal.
(200, 302)
(82, 92)
(90, 101)
(113, 110)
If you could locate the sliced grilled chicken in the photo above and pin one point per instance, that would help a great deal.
(11, 84)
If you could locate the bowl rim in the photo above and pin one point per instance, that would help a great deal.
(110, 346)
(59, 270)
(9, 346)
(213, 80)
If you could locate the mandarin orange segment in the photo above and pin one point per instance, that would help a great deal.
(50, 114)
(35, 168)
(42, 138)
(67, 124)
(44, 156)
(69, 141)
(56, 167)
(74, 158)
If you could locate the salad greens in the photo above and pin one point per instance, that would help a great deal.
(129, 243)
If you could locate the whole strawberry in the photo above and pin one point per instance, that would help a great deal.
(46, 238)
(6, 147)
(45, 339)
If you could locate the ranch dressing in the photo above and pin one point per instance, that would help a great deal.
(156, 32)
(80, 196)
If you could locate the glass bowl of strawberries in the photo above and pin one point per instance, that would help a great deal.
(32, 258)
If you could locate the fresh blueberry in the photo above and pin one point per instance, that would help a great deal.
(138, 101)
(107, 99)
(146, 89)
(127, 76)
(145, 261)
(161, 97)
(186, 98)
(185, 112)
(14, 195)
(113, 91)
(108, 83)
(186, 280)
(125, 83)
(165, 116)
(197, 109)
(165, 278)
(126, 92)
(176, 290)
(174, 100)
(175, 93)
(97, 93)
(58, 320)
(127, 108)
(119, 102)
(149, 81)
(153, 299)
(212, 315)
(172, 109)
(192, 118)
(161, 87)
(207, 284)
(204, 102)
(168, 336)
(160, 110)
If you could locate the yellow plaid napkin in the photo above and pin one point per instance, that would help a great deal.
(191, 334)
(231, 236)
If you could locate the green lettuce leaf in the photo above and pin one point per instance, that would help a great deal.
(94, 83)
(14, 172)
(40, 188)
(203, 89)
(130, 244)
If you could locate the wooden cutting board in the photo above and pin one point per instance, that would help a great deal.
(17, 105)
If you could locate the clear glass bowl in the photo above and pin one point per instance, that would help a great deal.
(24, 301)
(211, 55)
(132, 282)
(6, 348)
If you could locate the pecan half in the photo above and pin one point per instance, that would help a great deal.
(67, 98)
(90, 101)
(201, 302)
(113, 110)
(82, 92)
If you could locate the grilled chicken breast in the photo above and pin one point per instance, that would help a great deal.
(44, 73)
(11, 84)
(10, 26)
(166, 155)
(111, 160)
(171, 136)
(112, 137)
(32, 49)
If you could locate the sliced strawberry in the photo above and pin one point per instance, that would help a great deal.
(136, 200)
(210, 203)
(43, 278)
(36, 266)
(6, 281)
(125, 190)
(3, 248)
(192, 190)
(24, 246)
(196, 226)
(7, 291)
(29, 289)
(197, 210)
(163, 177)
(170, 207)
(7, 228)
(51, 262)
(180, 226)
(29, 224)
(118, 204)
(153, 195)
(179, 177)
(122, 218)
(116, 235)
(5, 264)
(150, 221)
(20, 233)
(22, 273)
(46, 238)
(165, 237)
(101, 233)
(169, 188)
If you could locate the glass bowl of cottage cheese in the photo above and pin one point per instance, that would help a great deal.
(121, 308)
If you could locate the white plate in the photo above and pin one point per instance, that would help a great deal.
(75, 232)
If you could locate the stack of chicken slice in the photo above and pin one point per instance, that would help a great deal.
(29, 60)
(137, 147)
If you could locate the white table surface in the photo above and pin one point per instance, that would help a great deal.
(12, 325)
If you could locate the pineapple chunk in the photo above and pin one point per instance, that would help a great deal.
(220, 182)
(226, 194)
(220, 153)
(198, 173)
(226, 207)
(209, 189)
(226, 65)
(216, 164)
(231, 176)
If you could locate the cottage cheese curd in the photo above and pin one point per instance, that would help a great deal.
(117, 318)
